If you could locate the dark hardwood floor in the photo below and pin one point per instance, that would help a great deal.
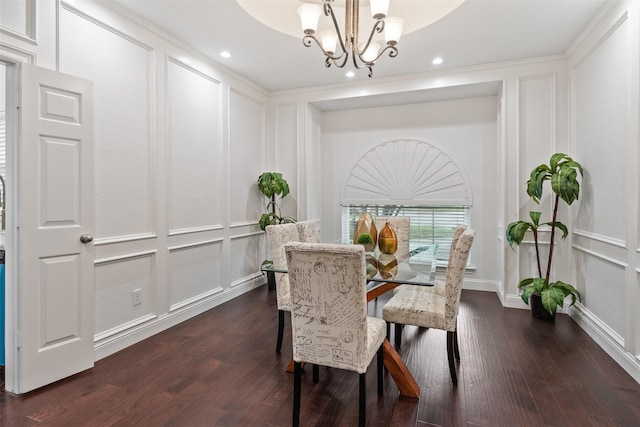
(221, 369)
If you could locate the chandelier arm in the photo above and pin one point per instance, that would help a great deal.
(393, 52)
(328, 11)
(307, 41)
(378, 27)
(334, 61)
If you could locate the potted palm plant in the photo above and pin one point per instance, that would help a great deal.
(543, 295)
(273, 186)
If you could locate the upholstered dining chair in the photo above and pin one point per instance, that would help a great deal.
(308, 231)
(329, 321)
(400, 225)
(278, 235)
(439, 285)
(430, 310)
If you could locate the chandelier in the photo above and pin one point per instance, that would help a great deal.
(337, 47)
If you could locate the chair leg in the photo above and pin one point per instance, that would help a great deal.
(316, 373)
(456, 349)
(363, 400)
(297, 384)
(380, 361)
(450, 351)
(398, 335)
(280, 330)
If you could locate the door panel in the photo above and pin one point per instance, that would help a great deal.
(56, 278)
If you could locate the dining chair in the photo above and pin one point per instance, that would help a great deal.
(438, 285)
(430, 310)
(278, 235)
(329, 321)
(308, 231)
(400, 225)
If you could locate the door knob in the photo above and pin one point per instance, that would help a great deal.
(86, 238)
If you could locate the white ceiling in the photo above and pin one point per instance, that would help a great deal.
(477, 32)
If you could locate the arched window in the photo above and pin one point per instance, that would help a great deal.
(409, 178)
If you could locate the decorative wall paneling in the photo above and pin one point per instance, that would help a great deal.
(289, 153)
(195, 272)
(604, 69)
(537, 130)
(167, 127)
(247, 158)
(194, 149)
(116, 279)
(247, 254)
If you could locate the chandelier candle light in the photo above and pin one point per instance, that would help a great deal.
(363, 55)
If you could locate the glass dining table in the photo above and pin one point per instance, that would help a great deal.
(384, 273)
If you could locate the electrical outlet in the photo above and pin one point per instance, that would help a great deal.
(136, 297)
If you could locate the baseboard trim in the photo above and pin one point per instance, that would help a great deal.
(480, 285)
(117, 342)
(607, 339)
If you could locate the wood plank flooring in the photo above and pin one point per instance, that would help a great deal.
(221, 369)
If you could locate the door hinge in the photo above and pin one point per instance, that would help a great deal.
(18, 339)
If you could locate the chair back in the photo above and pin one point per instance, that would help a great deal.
(455, 274)
(454, 240)
(278, 235)
(329, 304)
(308, 231)
(400, 225)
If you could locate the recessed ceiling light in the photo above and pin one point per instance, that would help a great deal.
(350, 74)
(437, 60)
(225, 54)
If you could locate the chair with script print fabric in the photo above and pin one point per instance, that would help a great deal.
(308, 231)
(278, 235)
(439, 285)
(430, 310)
(329, 319)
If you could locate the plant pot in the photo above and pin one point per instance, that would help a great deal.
(538, 311)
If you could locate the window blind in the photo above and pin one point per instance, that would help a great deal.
(429, 225)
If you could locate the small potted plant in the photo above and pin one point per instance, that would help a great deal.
(366, 240)
(543, 295)
(272, 185)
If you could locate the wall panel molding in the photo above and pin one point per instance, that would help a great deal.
(600, 256)
(14, 54)
(29, 20)
(604, 239)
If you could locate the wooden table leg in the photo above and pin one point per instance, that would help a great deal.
(399, 372)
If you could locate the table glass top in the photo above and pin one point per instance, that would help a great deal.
(418, 269)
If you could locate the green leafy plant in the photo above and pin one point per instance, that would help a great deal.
(562, 172)
(364, 239)
(273, 186)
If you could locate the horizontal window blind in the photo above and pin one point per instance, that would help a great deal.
(429, 225)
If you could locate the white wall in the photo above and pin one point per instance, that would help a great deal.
(179, 145)
(605, 101)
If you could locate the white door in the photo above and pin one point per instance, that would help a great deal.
(52, 229)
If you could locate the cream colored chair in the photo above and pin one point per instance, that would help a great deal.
(439, 285)
(329, 319)
(429, 310)
(400, 225)
(278, 235)
(308, 231)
